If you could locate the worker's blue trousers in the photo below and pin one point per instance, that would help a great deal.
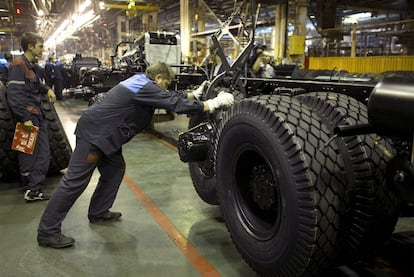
(33, 168)
(75, 181)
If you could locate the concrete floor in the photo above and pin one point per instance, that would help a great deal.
(166, 229)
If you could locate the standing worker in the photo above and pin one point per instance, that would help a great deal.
(112, 121)
(50, 71)
(24, 91)
(58, 80)
(4, 67)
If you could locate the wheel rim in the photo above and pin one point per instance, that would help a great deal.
(257, 195)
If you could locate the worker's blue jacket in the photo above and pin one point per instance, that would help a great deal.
(126, 110)
(24, 90)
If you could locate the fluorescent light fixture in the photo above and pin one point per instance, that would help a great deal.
(84, 5)
(34, 6)
(52, 40)
(81, 20)
(354, 18)
(69, 27)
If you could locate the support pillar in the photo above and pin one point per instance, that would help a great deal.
(185, 30)
(297, 42)
(279, 33)
(200, 51)
(149, 21)
(353, 40)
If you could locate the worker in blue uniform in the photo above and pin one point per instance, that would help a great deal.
(24, 92)
(58, 80)
(112, 121)
(4, 67)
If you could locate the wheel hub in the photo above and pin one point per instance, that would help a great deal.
(263, 187)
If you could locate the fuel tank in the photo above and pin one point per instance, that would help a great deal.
(391, 107)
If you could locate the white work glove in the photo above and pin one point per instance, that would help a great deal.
(199, 91)
(223, 100)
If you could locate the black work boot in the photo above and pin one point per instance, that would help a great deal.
(58, 241)
(106, 216)
(36, 195)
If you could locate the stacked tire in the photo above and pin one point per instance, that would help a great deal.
(9, 169)
(60, 149)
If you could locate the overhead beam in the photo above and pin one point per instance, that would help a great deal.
(379, 8)
(147, 8)
(8, 29)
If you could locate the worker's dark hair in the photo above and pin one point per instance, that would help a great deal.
(29, 38)
(160, 68)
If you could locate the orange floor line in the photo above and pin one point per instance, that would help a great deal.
(200, 263)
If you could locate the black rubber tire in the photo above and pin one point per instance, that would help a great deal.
(271, 176)
(372, 209)
(202, 173)
(317, 214)
(9, 169)
(59, 145)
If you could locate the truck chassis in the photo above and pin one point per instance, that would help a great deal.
(309, 175)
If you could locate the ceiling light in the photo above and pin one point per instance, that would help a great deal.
(84, 5)
(354, 18)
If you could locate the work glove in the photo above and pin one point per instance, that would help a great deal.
(223, 100)
(199, 91)
(51, 95)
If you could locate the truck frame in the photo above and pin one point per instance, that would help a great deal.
(309, 175)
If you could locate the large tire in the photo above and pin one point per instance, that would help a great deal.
(9, 169)
(60, 149)
(283, 196)
(372, 212)
(265, 185)
(203, 174)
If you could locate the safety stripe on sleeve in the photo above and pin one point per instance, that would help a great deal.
(16, 82)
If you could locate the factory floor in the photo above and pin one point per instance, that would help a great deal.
(166, 229)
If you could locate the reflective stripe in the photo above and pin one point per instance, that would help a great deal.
(16, 82)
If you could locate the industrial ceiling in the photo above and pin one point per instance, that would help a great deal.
(18, 16)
